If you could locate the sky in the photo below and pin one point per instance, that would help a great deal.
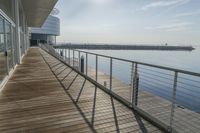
(176, 22)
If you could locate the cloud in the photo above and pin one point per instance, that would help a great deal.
(171, 27)
(197, 12)
(101, 2)
(163, 3)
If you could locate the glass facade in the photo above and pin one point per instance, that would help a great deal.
(7, 60)
(6, 48)
(3, 69)
(9, 45)
(42, 38)
(14, 31)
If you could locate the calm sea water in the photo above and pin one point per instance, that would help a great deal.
(186, 60)
(158, 81)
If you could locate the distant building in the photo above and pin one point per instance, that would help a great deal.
(48, 32)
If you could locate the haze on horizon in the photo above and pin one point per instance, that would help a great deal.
(130, 21)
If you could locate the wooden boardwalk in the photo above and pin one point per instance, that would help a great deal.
(34, 100)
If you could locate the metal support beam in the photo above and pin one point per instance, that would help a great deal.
(96, 67)
(69, 56)
(86, 64)
(79, 60)
(17, 31)
(111, 63)
(134, 85)
(73, 56)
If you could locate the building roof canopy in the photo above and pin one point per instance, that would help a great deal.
(37, 11)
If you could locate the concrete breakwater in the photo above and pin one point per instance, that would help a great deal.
(124, 47)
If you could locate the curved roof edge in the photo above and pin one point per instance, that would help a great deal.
(50, 27)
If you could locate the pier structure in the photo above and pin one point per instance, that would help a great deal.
(124, 47)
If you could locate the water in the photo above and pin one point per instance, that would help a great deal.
(158, 81)
(186, 60)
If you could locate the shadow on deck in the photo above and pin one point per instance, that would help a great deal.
(44, 95)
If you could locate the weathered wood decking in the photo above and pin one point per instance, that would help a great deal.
(34, 101)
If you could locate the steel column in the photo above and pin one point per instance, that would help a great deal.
(73, 56)
(134, 85)
(69, 57)
(111, 63)
(173, 100)
(96, 67)
(79, 59)
(86, 64)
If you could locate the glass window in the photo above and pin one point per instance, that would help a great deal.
(9, 45)
(3, 70)
(22, 42)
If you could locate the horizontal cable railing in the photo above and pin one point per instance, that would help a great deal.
(168, 97)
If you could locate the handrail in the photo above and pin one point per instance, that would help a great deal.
(173, 85)
(142, 63)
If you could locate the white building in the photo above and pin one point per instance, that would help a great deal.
(47, 33)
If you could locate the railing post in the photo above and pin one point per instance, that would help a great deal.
(65, 55)
(82, 64)
(51, 50)
(96, 67)
(79, 59)
(134, 84)
(59, 52)
(136, 89)
(69, 57)
(111, 63)
(73, 57)
(86, 64)
(173, 100)
(54, 50)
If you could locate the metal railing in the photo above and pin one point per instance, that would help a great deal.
(168, 97)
